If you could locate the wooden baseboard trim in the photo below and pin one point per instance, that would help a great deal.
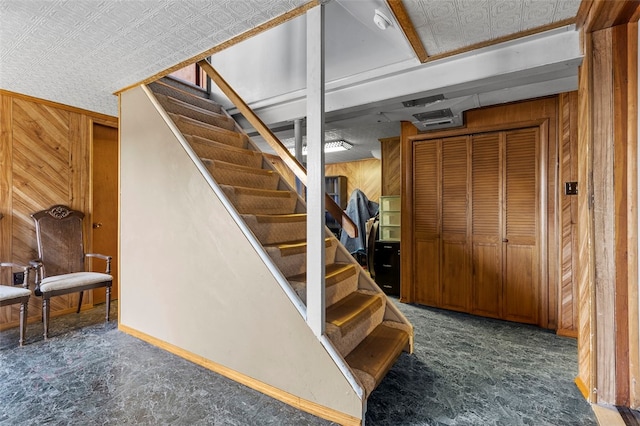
(289, 399)
(582, 388)
(567, 333)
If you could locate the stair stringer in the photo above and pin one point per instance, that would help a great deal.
(187, 260)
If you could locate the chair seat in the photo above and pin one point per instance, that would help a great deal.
(8, 292)
(73, 280)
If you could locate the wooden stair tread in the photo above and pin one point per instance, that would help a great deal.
(295, 247)
(281, 218)
(334, 273)
(378, 351)
(351, 309)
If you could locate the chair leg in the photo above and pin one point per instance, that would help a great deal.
(79, 302)
(108, 297)
(45, 317)
(23, 321)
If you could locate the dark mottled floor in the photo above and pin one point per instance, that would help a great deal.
(465, 371)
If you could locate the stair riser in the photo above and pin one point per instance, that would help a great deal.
(275, 233)
(211, 133)
(186, 97)
(210, 118)
(247, 180)
(346, 342)
(333, 293)
(254, 204)
(246, 158)
(297, 263)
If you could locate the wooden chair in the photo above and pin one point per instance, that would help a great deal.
(12, 295)
(60, 268)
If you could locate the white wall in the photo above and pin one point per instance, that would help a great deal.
(190, 277)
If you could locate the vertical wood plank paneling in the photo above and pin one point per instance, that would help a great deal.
(620, 120)
(391, 174)
(407, 287)
(632, 209)
(584, 263)
(568, 295)
(7, 313)
(604, 211)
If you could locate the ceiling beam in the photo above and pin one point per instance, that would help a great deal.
(398, 9)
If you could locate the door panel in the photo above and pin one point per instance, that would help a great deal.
(486, 220)
(105, 203)
(455, 275)
(521, 301)
(427, 223)
(487, 278)
(521, 226)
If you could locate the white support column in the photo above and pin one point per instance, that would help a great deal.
(297, 133)
(315, 170)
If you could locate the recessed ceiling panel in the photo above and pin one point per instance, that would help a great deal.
(449, 25)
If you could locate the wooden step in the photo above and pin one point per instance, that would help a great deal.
(341, 279)
(176, 106)
(189, 126)
(275, 229)
(352, 318)
(291, 257)
(213, 150)
(376, 354)
(174, 92)
(235, 175)
(261, 201)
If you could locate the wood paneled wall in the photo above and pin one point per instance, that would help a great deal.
(45, 159)
(364, 175)
(391, 166)
(608, 352)
(568, 220)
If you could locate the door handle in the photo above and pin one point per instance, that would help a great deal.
(505, 240)
(97, 225)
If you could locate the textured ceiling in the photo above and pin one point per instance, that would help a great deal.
(79, 52)
(449, 25)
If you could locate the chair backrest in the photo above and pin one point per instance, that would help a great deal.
(60, 240)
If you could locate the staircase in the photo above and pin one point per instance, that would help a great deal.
(361, 323)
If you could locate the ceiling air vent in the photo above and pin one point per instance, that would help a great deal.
(423, 101)
(434, 118)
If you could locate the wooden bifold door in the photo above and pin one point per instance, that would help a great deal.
(477, 227)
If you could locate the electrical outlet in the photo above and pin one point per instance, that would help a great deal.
(18, 278)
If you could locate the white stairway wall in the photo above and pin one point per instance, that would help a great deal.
(189, 276)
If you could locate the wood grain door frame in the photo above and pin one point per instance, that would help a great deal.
(548, 192)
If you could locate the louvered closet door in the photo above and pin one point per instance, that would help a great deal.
(426, 262)
(486, 201)
(455, 265)
(520, 248)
